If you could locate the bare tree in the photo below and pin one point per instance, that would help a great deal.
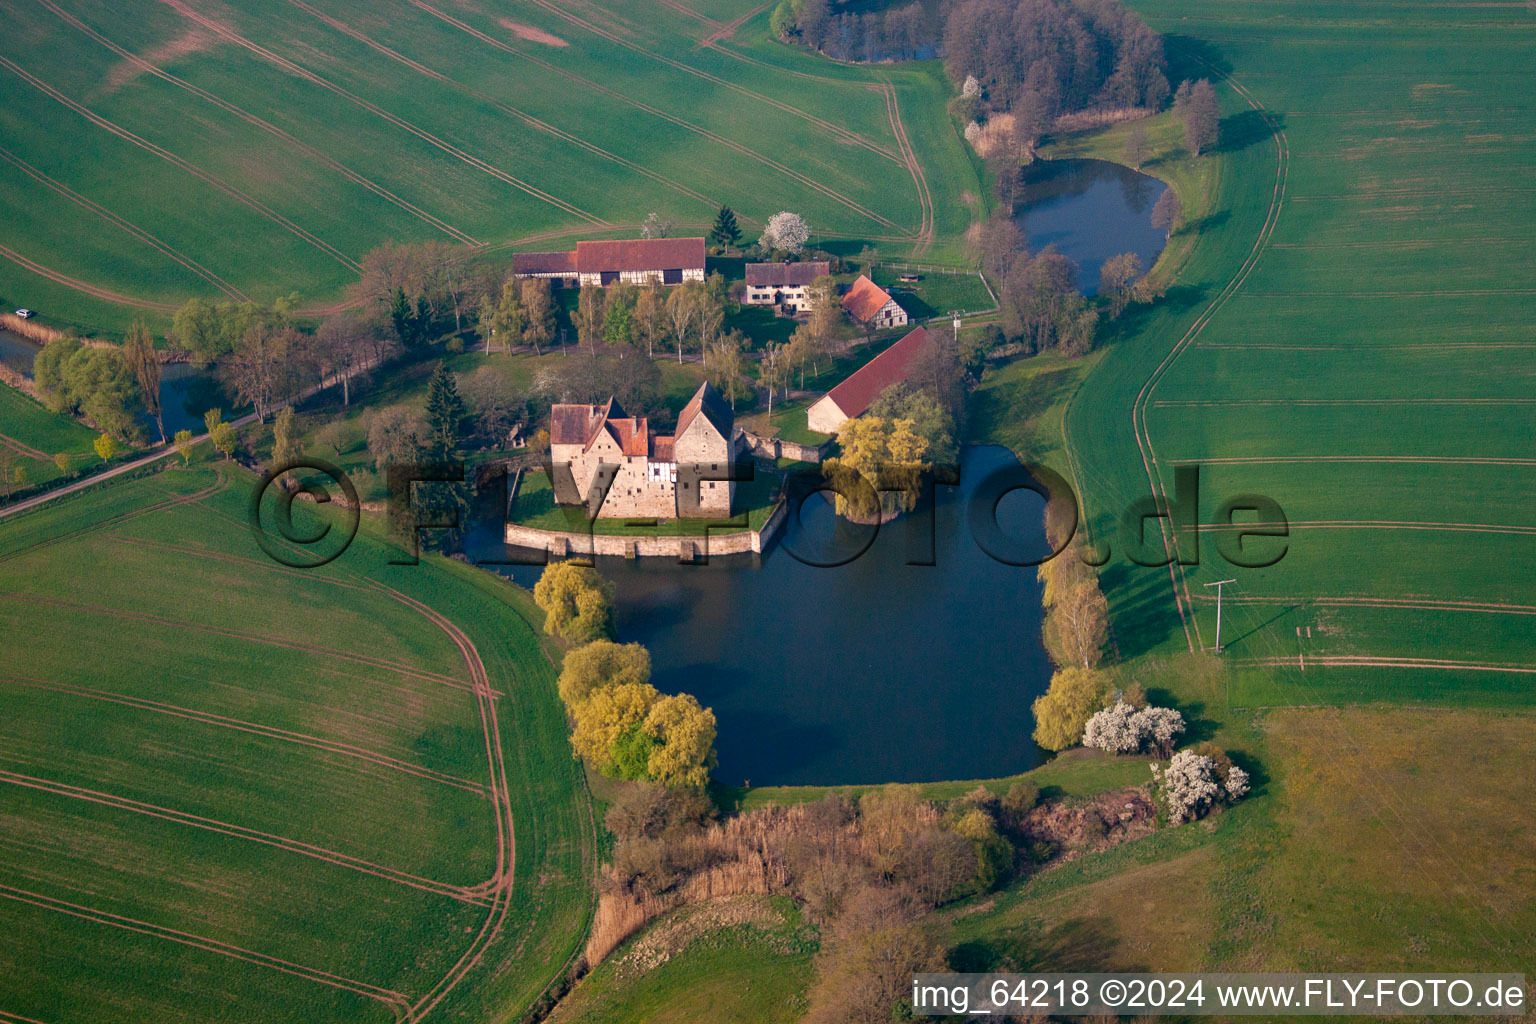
(342, 347)
(682, 312)
(144, 364)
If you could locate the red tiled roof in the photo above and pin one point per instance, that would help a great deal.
(854, 395)
(580, 424)
(544, 263)
(662, 449)
(865, 299)
(636, 254)
(785, 275)
(571, 424)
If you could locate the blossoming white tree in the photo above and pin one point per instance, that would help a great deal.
(1123, 729)
(786, 231)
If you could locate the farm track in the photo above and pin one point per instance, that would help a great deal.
(1431, 460)
(235, 634)
(266, 126)
(521, 115)
(186, 165)
(373, 108)
(1422, 664)
(914, 167)
(837, 131)
(394, 1000)
(239, 725)
(713, 136)
(107, 215)
(455, 892)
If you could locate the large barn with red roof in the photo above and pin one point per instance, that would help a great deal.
(631, 260)
(853, 397)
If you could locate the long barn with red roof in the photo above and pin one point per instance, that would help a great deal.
(631, 260)
(853, 397)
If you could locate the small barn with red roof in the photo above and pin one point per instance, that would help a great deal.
(871, 306)
(853, 397)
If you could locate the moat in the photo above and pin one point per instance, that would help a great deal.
(873, 671)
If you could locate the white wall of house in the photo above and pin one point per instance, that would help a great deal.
(824, 416)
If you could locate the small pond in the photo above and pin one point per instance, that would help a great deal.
(186, 392)
(873, 671)
(1090, 210)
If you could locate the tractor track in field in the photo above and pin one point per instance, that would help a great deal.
(1409, 603)
(506, 849)
(112, 521)
(1379, 524)
(522, 115)
(85, 288)
(1423, 664)
(689, 12)
(495, 893)
(1246, 403)
(396, 1001)
(1432, 460)
(914, 167)
(421, 133)
(218, 183)
(462, 894)
(164, 248)
(1143, 436)
(215, 556)
(266, 126)
(235, 634)
(24, 449)
(837, 131)
(689, 126)
(728, 29)
(240, 725)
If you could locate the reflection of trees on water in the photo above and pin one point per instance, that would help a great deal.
(1138, 192)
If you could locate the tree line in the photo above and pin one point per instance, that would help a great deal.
(1035, 58)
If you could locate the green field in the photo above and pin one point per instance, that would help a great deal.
(1352, 335)
(228, 784)
(37, 435)
(258, 149)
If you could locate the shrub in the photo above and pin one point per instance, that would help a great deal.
(577, 602)
(1063, 712)
(600, 664)
(1122, 729)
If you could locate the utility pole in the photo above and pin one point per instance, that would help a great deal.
(1219, 584)
(955, 313)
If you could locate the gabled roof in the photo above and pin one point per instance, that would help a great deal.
(582, 424)
(635, 254)
(708, 401)
(785, 275)
(544, 263)
(854, 395)
(865, 299)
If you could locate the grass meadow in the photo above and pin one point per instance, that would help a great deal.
(226, 783)
(155, 152)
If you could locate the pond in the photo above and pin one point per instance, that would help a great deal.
(1090, 210)
(874, 671)
(186, 392)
